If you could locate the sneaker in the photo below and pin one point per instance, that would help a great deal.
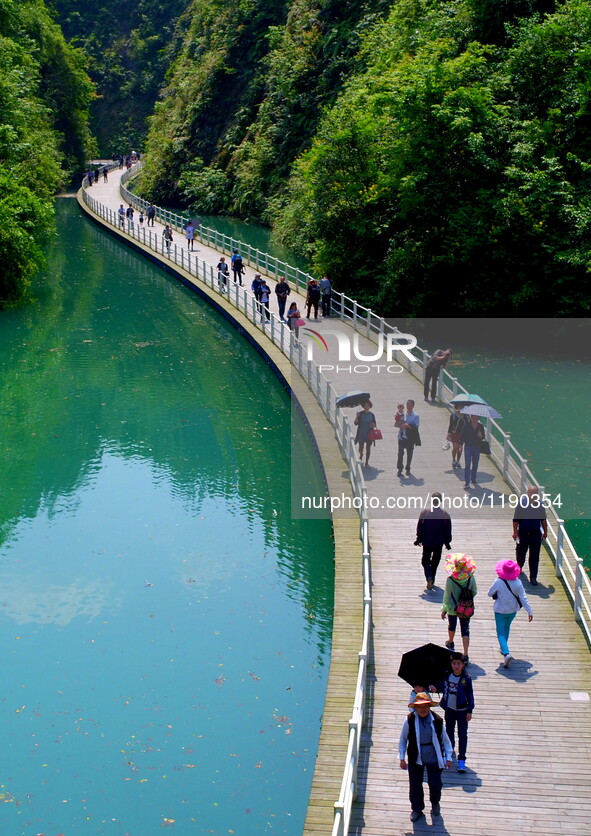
(407, 471)
(466, 485)
(430, 583)
(461, 766)
(436, 810)
(508, 660)
(474, 484)
(416, 815)
(450, 645)
(399, 473)
(533, 581)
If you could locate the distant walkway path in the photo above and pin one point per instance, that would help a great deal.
(529, 753)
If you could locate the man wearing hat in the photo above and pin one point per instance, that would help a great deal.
(424, 744)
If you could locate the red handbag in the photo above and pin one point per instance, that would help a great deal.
(374, 435)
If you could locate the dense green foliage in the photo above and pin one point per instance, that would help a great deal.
(129, 48)
(245, 97)
(452, 176)
(44, 97)
(432, 157)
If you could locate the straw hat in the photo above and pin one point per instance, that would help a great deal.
(422, 699)
(459, 566)
(508, 570)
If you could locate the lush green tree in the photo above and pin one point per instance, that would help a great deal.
(450, 177)
(128, 48)
(44, 95)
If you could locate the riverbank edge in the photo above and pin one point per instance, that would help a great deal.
(347, 629)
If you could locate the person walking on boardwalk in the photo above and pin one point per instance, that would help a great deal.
(256, 285)
(151, 213)
(433, 532)
(129, 213)
(530, 527)
(238, 268)
(167, 235)
(471, 438)
(457, 422)
(509, 597)
(424, 744)
(282, 291)
(223, 274)
(312, 298)
(293, 318)
(408, 437)
(326, 295)
(458, 596)
(364, 421)
(433, 367)
(265, 299)
(121, 213)
(190, 234)
(458, 703)
(105, 174)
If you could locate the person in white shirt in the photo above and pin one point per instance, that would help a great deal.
(509, 597)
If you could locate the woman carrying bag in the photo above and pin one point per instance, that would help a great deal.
(365, 422)
(509, 597)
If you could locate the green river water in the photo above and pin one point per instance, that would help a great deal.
(165, 623)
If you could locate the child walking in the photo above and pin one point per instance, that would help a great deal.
(458, 702)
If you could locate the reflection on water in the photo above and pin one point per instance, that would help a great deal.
(165, 623)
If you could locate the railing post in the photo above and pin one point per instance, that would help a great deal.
(578, 589)
(506, 441)
(523, 476)
(559, 544)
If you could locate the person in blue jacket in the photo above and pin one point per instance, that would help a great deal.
(458, 703)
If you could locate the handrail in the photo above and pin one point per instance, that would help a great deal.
(513, 466)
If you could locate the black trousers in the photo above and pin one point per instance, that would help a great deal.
(430, 560)
(404, 444)
(416, 774)
(533, 542)
(431, 376)
(326, 297)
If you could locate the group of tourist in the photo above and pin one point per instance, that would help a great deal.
(427, 741)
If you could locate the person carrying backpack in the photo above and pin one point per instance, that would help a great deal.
(237, 267)
(458, 598)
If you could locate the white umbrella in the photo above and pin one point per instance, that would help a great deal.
(483, 410)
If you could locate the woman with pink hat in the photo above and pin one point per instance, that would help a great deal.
(509, 597)
(460, 586)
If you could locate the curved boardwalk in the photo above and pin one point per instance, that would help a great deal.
(529, 751)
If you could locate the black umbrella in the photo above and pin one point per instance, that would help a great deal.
(353, 399)
(425, 665)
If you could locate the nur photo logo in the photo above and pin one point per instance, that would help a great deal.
(381, 360)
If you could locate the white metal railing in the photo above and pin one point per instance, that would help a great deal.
(568, 565)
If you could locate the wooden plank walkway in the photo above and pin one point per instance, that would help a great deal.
(529, 751)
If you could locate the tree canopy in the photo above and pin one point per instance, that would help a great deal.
(44, 99)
